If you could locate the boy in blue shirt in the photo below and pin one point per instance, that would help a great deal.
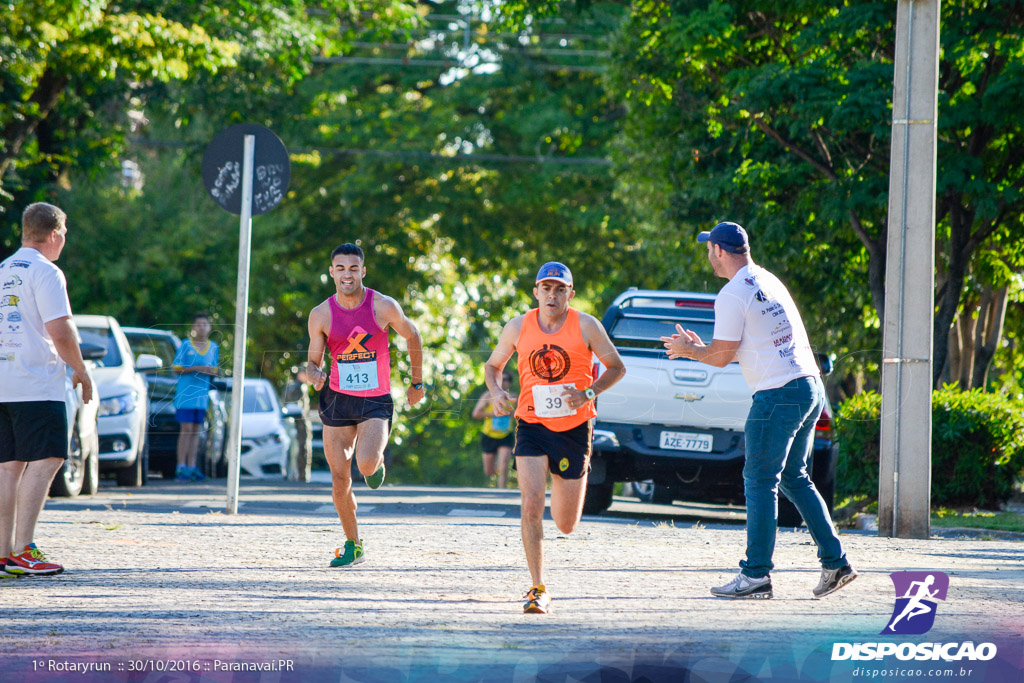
(196, 365)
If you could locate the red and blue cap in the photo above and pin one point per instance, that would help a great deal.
(731, 237)
(553, 270)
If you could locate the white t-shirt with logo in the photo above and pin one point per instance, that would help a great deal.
(755, 309)
(33, 292)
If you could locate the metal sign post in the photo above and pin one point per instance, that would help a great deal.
(263, 173)
(241, 324)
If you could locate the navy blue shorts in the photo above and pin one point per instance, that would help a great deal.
(195, 416)
(33, 430)
(489, 444)
(568, 452)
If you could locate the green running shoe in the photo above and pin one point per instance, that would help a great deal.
(351, 554)
(376, 479)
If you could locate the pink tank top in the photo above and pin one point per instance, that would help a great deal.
(359, 349)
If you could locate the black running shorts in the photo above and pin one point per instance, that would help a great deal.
(568, 452)
(488, 444)
(342, 410)
(33, 430)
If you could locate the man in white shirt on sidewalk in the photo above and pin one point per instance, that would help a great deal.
(758, 325)
(37, 338)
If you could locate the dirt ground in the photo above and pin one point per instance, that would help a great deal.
(172, 579)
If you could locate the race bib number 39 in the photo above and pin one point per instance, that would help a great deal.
(549, 402)
(357, 376)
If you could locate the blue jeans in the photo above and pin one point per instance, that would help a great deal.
(779, 438)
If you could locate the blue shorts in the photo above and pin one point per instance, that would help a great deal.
(194, 416)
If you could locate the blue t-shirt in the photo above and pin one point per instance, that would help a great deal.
(193, 390)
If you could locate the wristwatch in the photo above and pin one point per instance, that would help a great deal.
(590, 393)
(417, 386)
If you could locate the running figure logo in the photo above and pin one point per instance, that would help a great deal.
(550, 362)
(916, 595)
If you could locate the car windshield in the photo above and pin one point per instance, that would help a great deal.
(156, 344)
(102, 336)
(257, 399)
(646, 332)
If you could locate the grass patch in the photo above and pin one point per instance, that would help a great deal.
(978, 519)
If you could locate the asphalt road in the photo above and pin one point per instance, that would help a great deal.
(273, 496)
(162, 585)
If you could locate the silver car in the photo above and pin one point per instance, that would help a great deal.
(123, 401)
(81, 471)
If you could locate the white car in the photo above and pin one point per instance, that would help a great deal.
(123, 408)
(80, 473)
(266, 440)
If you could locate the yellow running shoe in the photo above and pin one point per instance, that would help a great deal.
(537, 600)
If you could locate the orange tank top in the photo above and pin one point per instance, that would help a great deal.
(551, 360)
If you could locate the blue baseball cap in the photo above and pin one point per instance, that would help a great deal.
(731, 237)
(553, 270)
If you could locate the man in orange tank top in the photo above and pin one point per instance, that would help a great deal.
(356, 407)
(556, 345)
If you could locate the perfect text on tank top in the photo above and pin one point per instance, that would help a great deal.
(547, 363)
(359, 350)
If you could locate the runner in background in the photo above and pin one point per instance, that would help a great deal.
(496, 438)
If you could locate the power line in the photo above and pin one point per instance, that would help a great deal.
(474, 158)
(532, 51)
(387, 61)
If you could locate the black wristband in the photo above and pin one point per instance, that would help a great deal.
(417, 386)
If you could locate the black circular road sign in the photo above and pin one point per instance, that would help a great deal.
(222, 168)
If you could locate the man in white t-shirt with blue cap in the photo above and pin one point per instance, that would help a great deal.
(758, 325)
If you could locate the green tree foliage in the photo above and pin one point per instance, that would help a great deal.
(77, 75)
(779, 117)
(458, 181)
(977, 447)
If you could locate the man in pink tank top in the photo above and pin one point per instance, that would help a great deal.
(355, 399)
(556, 345)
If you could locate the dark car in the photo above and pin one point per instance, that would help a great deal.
(163, 428)
(677, 426)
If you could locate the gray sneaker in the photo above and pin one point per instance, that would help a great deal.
(834, 579)
(745, 587)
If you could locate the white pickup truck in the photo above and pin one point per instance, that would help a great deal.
(677, 425)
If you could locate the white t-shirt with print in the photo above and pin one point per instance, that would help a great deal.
(33, 292)
(755, 309)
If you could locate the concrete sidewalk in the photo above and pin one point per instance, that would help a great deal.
(172, 579)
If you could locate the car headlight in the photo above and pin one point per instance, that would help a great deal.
(118, 405)
(267, 439)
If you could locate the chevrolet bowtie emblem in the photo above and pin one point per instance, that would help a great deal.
(690, 398)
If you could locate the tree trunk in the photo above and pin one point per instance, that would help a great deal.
(990, 331)
(949, 301)
(876, 262)
(45, 97)
(951, 369)
(965, 329)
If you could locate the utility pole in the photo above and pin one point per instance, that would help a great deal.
(904, 483)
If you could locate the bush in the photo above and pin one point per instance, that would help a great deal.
(977, 447)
